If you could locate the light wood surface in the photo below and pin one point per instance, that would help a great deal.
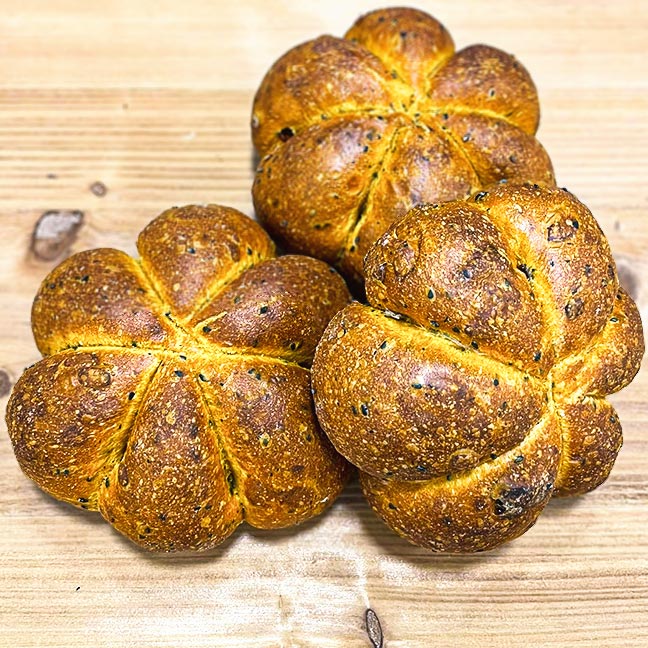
(152, 98)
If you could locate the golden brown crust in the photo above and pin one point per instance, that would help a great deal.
(496, 148)
(170, 490)
(94, 297)
(273, 310)
(454, 122)
(446, 267)
(316, 216)
(591, 440)
(490, 316)
(421, 166)
(612, 359)
(407, 41)
(190, 252)
(474, 511)
(146, 429)
(486, 79)
(284, 469)
(416, 403)
(317, 80)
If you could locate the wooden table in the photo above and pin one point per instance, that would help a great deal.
(152, 100)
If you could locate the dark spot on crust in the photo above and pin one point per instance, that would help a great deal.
(574, 308)
(94, 377)
(285, 133)
(561, 231)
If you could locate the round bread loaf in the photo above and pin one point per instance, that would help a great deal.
(174, 395)
(472, 388)
(354, 131)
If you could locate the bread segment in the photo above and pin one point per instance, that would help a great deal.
(95, 298)
(406, 404)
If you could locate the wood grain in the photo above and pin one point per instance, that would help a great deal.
(153, 100)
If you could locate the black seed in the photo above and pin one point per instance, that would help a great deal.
(162, 517)
(392, 507)
(614, 319)
(384, 345)
(493, 455)
(364, 409)
(206, 329)
(263, 309)
(202, 377)
(467, 273)
(528, 272)
(479, 197)
(131, 395)
(84, 500)
(474, 345)
(430, 294)
(519, 459)
(434, 323)
(191, 250)
(417, 385)
(285, 134)
(183, 357)
(456, 329)
(537, 356)
(354, 409)
(495, 382)
(466, 138)
(421, 469)
(179, 373)
(107, 482)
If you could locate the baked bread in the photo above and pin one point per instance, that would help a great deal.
(354, 131)
(174, 395)
(475, 380)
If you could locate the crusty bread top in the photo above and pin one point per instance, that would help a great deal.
(175, 395)
(474, 383)
(355, 131)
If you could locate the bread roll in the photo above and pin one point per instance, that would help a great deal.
(174, 395)
(352, 132)
(472, 387)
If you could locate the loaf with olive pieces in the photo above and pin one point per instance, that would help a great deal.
(174, 395)
(472, 387)
(352, 132)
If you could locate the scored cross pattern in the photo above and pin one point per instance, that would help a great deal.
(364, 127)
(174, 395)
